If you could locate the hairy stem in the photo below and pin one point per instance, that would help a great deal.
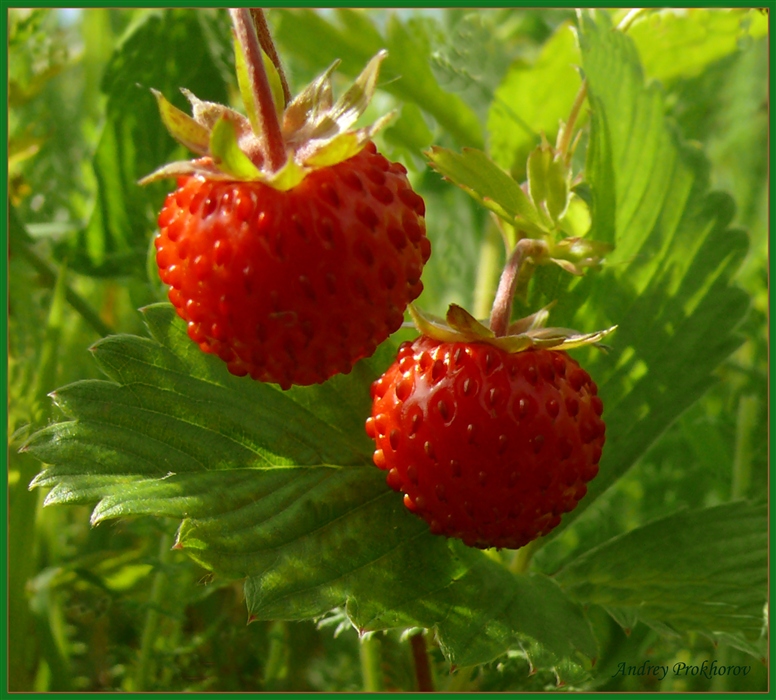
(422, 666)
(564, 140)
(268, 45)
(501, 313)
(264, 105)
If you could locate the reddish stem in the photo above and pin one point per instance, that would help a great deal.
(274, 145)
(422, 668)
(265, 39)
(501, 313)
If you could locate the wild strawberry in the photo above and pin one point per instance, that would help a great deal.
(487, 446)
(491, 437)
(294, 258)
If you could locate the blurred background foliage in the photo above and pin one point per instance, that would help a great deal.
(90, 609)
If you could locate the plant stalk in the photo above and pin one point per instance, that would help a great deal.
(264, 105)
(422, 666)
(151, 627)
(268, 45)
(371, 672)
(500, 315)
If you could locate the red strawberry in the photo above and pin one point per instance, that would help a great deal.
(488, 446)
(293, 287)
(291, 247)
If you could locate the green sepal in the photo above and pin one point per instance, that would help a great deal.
(434, 326)
(315, 99)
(181, 126)
(462, 321)
(345, 145)
(339, 149)
(353, 103)
(461, 327)
(175, 169)
(208, 113)
(532, 322)
(288, 177)
(227, 153)
(548, 182)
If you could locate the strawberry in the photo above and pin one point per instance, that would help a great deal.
(488, 446)
(289, 256)
(293, 287)
(491, 432)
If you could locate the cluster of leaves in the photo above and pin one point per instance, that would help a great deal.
(277, 488)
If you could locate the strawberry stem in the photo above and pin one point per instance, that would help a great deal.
(422, 667)
(501, 313)
(274, 145)
(265, 39)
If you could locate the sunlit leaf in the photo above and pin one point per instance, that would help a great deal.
(278, 487)
(701, 570)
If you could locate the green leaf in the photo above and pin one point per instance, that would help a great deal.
(667, 283)
(156, 53)
(278, 487)
(682, 44)
(480, 177)
(703, 571)
(533, 99)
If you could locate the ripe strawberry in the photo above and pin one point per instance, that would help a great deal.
(291, 247)
(488, 446)
(293, 287)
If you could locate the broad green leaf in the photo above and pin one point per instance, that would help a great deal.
(533, 99)
(157, 53)
(667, 283)
(474, 172)
(406, 74)
(683, 43)
(703, 571)
(279, 487)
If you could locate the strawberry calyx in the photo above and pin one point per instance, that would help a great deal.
(526, 333)
(529, 332)
(314, 130)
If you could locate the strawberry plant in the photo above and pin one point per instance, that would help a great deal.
(569, 512)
